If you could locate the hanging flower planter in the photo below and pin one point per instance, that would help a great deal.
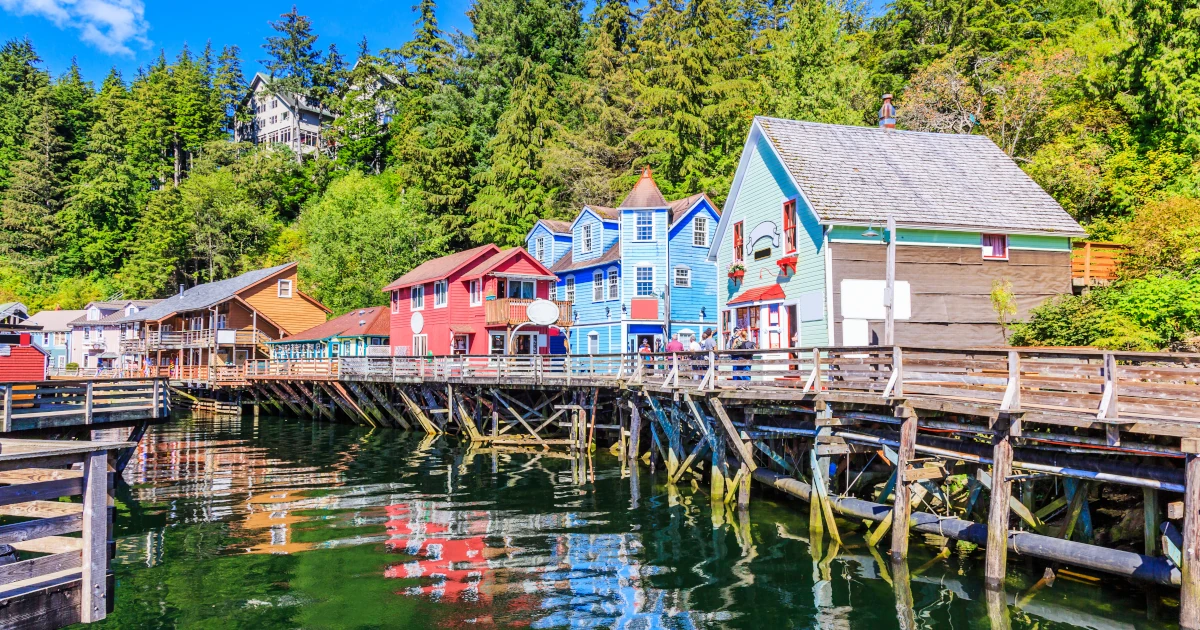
(737, 270)
(787, 264)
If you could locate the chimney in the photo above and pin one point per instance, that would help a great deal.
(887, 113)
(181, 289)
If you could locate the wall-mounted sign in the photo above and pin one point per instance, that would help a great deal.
(542, 312)
(863, 299)
(417, 323)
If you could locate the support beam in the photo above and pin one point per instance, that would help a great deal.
(418, 413)
(316, 403)
(382, 398)
(902, 507)
(997, 540)
(1189, 594)
(1152, 517)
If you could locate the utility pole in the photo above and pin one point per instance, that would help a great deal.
(889, 289)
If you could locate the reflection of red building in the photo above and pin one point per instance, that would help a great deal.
(452, 555)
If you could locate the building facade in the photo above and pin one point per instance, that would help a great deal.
(639, 272)
(55, 336)
(473, 302)
(20, 358)
(802, 244)
(293, 120)
(97, 335)
(359, 333)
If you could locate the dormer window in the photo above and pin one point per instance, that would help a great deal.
(284, 289)
(700, 232)
(644, 230)
(541, 249)
(587, 239)
(93, 313)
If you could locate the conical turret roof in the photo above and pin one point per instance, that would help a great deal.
(645, 193)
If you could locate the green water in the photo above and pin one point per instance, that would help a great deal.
(279, 523)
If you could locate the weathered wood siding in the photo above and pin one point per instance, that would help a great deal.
(293, 314)
(951, 284)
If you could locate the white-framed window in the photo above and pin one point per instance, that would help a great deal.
(441, 294)
(614, 284)
(475, 289)
(700, 232)
(593, 342)
(87, 333)
(569, 285)
(523, 289)
(420, 345)
(395, 301)
(995, 246)
(588, 242)
(274, 103)
(222, 321)
(62, 361)
(284, 289)
(644, 225)
(541, 248)
(597, 286)
(645, 280)
(416, 298)
(60, 338)
(683, 277)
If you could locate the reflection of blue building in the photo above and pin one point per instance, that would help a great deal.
(638, 272)
(605, 587)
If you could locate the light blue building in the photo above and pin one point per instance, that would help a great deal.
(55, 335)
(635, 273)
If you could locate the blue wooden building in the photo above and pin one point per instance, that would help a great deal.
(637, 272)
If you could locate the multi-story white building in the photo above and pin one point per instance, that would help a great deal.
(96, 336)
(289, 119)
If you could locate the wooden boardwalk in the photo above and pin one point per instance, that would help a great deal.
(1006, 448)
(63, 403)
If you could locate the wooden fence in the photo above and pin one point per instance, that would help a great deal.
(60, 403)
(59, 580)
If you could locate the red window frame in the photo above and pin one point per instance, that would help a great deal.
(996, 239)
(789, 226)
(738, 249)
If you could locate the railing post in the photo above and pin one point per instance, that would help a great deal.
(154, 399)
(6, 419)
(87, 408)
(94, 579)
(712, 370)
(675, 368)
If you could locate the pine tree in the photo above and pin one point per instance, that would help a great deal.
(151, 123)
(20, 80)
(74, 98)
(29, 228)
(293, 62)
(196, 118)
(514, 195)
(360, 132)
(230, 84)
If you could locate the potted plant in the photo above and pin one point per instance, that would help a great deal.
(737, 270)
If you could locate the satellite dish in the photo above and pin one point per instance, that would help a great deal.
(416, 323)
(542, 312)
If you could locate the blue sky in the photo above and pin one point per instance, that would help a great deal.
(130, 33)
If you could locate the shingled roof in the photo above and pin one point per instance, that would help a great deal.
(860, 175)
(439, 268)
(374, 321)
(567, 262)
(645, 193)
(205, 295)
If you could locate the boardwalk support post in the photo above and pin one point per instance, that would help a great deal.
(997, 536)
(903, 506)
(1189, 595)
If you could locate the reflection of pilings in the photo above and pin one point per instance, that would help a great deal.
(1122, 563)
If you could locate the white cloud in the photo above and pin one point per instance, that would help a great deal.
(110, 25)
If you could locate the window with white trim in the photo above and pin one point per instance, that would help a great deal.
(593, 342)
(645, 281)
(614, 284)
(588, 243)
(420, 345)
(541, 248)
(284, 289)
(644, 225)
(995, 246)
(683, 277)
(416, 298)
(569, 288)
(597, 286)
(475, 289)
(395, 301)
(700, 232)
(441, 293)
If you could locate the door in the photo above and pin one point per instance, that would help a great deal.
(525, 343)
(496, 343)
(793, 326)
(240, 356)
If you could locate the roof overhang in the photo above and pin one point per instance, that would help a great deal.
(588, 210)
(964, 228)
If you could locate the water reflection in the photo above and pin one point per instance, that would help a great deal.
(275, 523)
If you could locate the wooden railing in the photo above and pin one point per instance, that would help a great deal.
(205, 338)
(1110, 387)
(56, 403)
(299, 368)
(1094, 263)
(511, 311)
(38, 474)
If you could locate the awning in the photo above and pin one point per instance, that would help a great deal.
(108, 355)
(761, 294)
(462, 329)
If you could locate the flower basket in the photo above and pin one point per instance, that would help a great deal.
(737, 270)
(787, 264)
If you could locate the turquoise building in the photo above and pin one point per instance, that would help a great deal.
(637, 272)
(801, 247)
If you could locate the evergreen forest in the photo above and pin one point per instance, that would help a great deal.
(132, 185)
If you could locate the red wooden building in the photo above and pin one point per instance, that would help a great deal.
(473, 302)
(20, 360)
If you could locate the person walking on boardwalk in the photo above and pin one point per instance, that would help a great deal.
(675, 345)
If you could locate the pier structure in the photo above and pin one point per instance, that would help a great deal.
(1001, 448)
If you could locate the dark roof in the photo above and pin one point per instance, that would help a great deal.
(610, 214)
(439, 268)
(679, 206)
(118, 311)
(494, 260)
(566, 263)
(859, 175)
(206, 295)
(556, 227)
(372, 321)
(645, 193)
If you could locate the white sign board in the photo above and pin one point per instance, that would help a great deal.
(226, 336)
(863, 299)
(542, 312)
(417, 323)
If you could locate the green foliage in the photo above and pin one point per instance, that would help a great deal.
(1004, 303)
(360, 235)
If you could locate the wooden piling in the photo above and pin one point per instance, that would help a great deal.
(903, 507)
(997, 539)
(1152, 518)
(635, 433)
(1189, 588)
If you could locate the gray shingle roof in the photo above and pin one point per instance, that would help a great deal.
(204, 295)
(862, 174)
(567, 262)
(52, 321)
